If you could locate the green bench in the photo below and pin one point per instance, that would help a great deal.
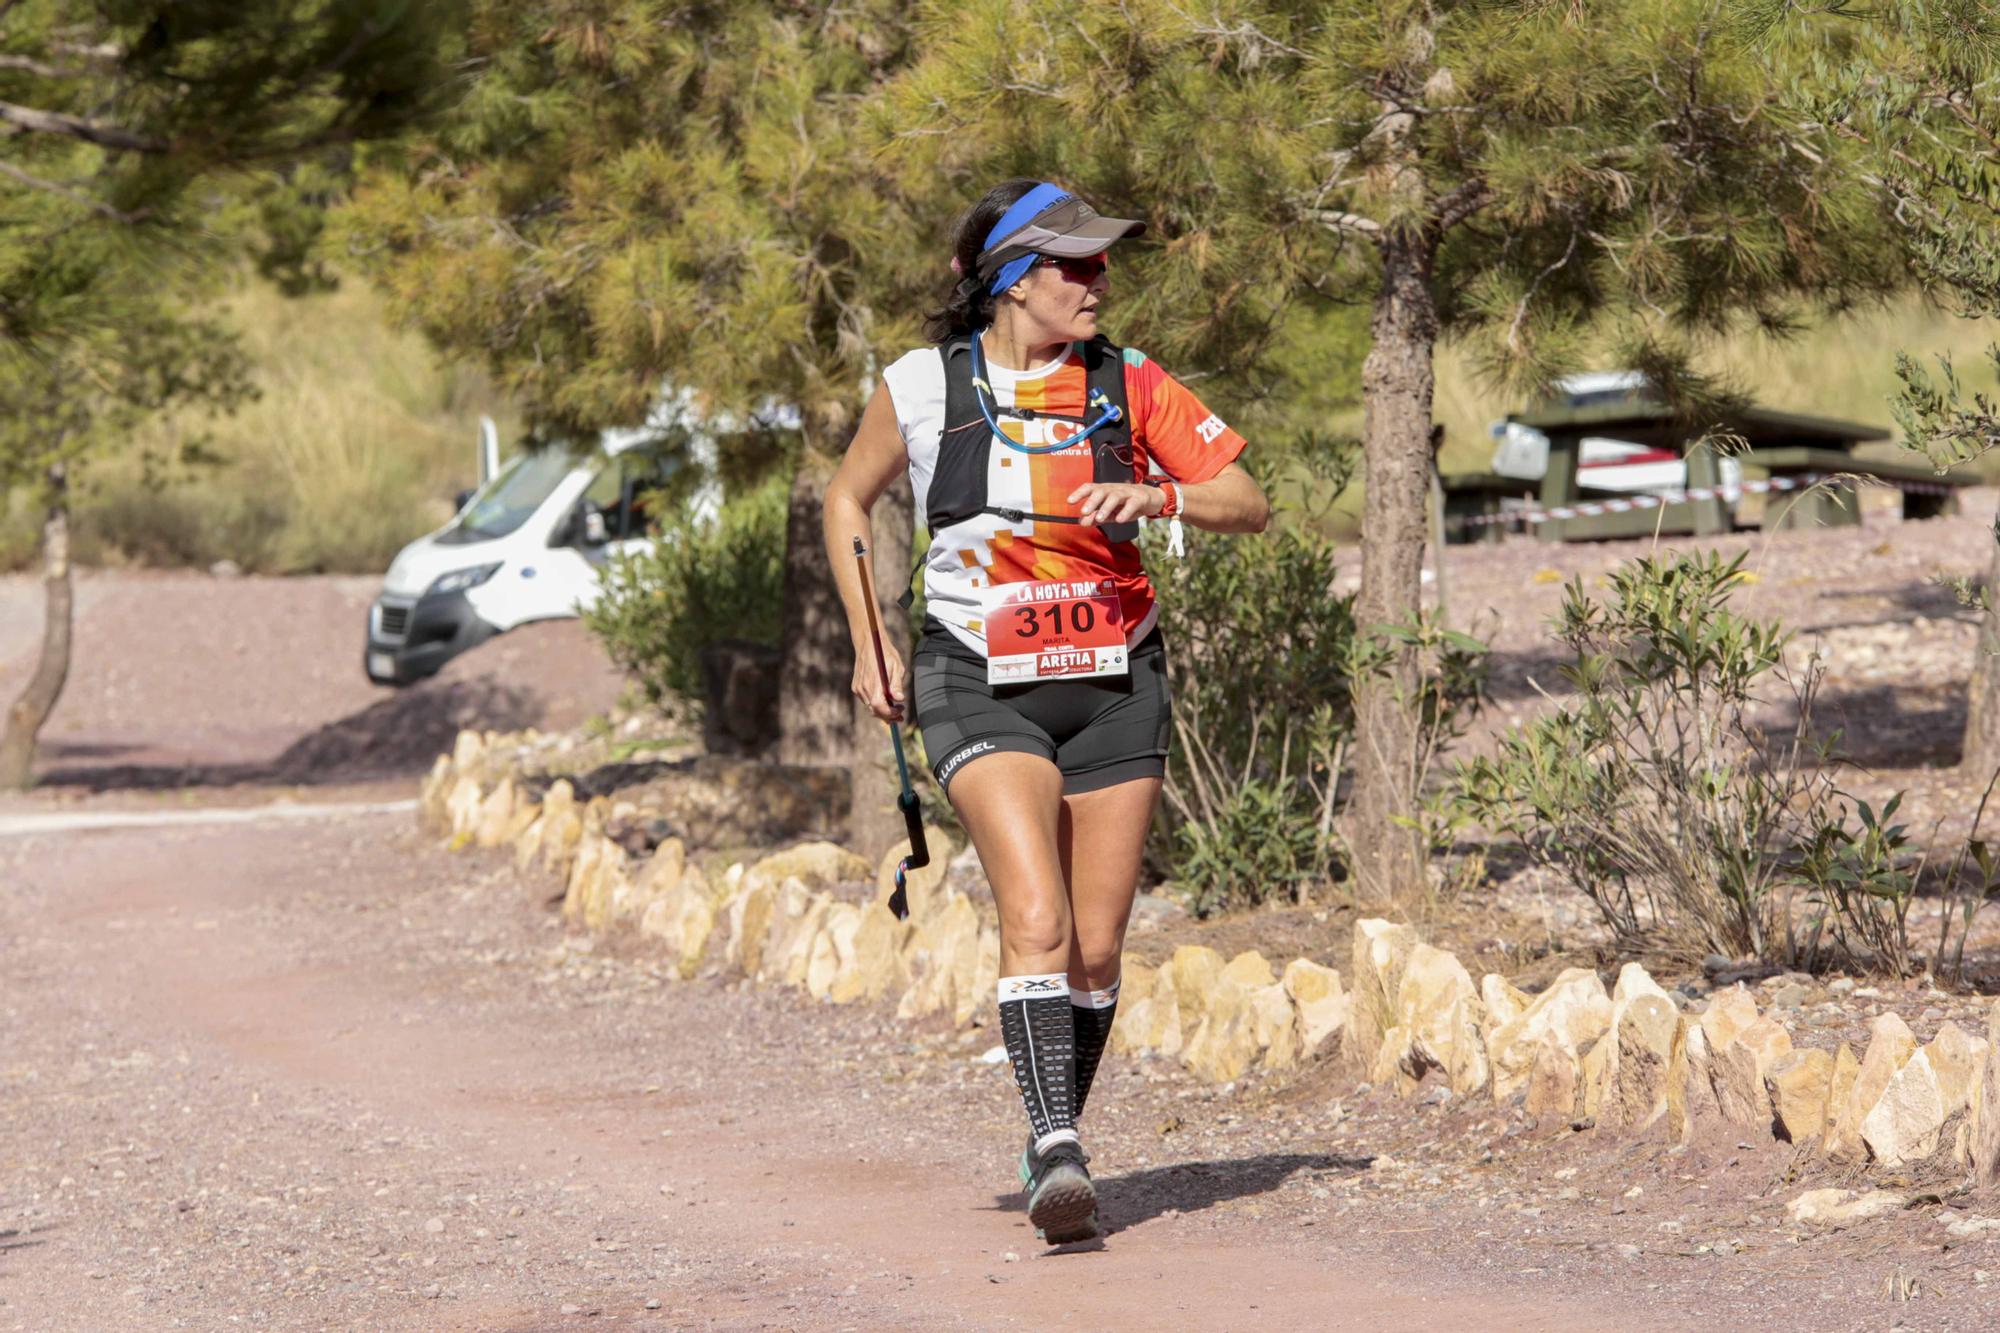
(1840, 505)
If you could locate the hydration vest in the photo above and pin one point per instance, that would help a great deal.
(958, 484)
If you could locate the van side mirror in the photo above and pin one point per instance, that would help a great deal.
(462, 499)
(594, 531)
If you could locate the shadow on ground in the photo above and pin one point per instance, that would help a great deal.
(1187, 1187)
(398, 736)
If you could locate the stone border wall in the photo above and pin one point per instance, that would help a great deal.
(1626, 1061)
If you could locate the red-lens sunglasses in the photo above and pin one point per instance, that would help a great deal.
(1085, 270)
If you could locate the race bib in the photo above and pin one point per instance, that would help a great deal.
(1049, 631)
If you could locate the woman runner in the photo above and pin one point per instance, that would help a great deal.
(1041, 683)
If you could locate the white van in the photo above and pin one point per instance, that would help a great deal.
(528, 544)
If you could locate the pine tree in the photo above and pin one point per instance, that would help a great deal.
(135, 135)
(631, 194)
(1914, 87)
(1544, 181)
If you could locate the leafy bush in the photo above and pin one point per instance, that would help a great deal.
(1257, 645)
(1262, 654)
(1692, 827)
(703, 581)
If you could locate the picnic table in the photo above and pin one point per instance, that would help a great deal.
(1765, 443)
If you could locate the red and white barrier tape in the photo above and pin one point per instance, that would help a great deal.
(1627, 504)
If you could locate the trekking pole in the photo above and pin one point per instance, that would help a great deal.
(906, 801)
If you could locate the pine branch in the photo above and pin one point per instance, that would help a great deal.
(1345, 222)
(76, 127)
(30, 65)
(71, 193)
(1461, 202)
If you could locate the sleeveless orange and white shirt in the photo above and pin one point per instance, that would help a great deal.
(1172, 433)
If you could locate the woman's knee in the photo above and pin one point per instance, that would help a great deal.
(1096, 958)
(1040, 925)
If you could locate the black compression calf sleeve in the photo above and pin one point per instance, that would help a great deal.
(1036, 1026)
(1091, 1015)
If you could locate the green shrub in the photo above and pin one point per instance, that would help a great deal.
(1257, 649)
(703, 581)
(1691, 826)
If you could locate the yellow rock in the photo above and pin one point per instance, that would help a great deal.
(1904, 1123)
(1729, 1012)
(1243, 1022)
(1135, 1007)
(1194, 972)
(495, 815)
(466, 750)
(1846, 1069)
(1890, 1046)
(1439, 1010)
(940, 954)
(1323, 1007)
(583, 876)
(1381, 948)
(1553, 1082)
(980, 994)
(1838, 1207)
(1277, 1025)
(788, 908)
(1697, 1104)
(1150, 1021)
(1574, 1008)
(871, 960)
(1504, 1003)
(835, 943)
(749, 914)
(1797, 1083)
(431, 793)
(1737, 1070)
(462, 807)
(817, 865)
(1392, 1055)
(1641, 1063)
(552, 839)
(663, 869)
(1956, 1057)
(1985, 1137)
(1248, 968)
(682, 922)
(658, 876)
(796, 957)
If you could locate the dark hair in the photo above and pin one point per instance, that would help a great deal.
(968, 306)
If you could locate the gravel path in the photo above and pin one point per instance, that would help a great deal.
(316, 1073)
(324, 1075)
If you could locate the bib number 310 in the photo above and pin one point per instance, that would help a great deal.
(1046, 631)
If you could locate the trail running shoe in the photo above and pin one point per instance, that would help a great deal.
(1062, 1203)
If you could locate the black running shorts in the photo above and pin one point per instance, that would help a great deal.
(1099, 730)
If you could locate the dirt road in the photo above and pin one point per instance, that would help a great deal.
(322, 1075)
(312, 1072)
(290, 1079)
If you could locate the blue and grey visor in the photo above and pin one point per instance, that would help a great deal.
(1047, 220)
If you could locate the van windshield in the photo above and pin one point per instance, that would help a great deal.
(516, 491)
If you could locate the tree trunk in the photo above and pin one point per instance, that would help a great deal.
(1981, 752)
(1397, 380)
(818, 719)
(32, 708)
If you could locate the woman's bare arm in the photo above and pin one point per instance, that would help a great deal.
(875, 458)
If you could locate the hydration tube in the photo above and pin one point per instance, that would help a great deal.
(983, 393)
(906, 800)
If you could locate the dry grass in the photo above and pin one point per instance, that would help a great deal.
(356, 444)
